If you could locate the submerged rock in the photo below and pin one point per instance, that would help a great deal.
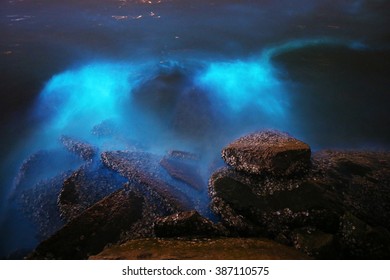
(134, 166)
(184, 171)
(194, 116)
(186, 224)
(182, 155)
(38, 203)
(82, 149)
(106, 128)
(270, 152)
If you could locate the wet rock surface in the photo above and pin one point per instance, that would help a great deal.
(335, 206)
(185, 171)
(82, 149)
(187, 224)
(269, 152)
(39, 205)
(308, 210)
(133, 166)
(90, 232)
(360, 240)
(85, 187)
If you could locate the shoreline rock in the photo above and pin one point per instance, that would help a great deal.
(308, 211)
(187, 224)
(268, 152)
(92, 230)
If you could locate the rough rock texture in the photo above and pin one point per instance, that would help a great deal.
(184, 171)
(308, 211)
(201, 249)
(132, 165)
(257, 205)
(269, 152)
(91, 231)
(86, 186)
(186, 224)
(361, 178)
(362, 241)
(39, 205)
(80, 148)
(182, 155)
(316, 243)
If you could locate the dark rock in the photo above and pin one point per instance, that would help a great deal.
(133, 166)
(184, 171)
(338, 182)
(362, 241)
(362, 179)
(186, 224)
(182, 155)
(269, 152)
(253, 205)
(86, 186)
(159, 95)
(80, 148)
(194, 117)
(317, 244)
(38, 204)
(91, 231)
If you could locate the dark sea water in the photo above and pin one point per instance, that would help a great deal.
(190, 75)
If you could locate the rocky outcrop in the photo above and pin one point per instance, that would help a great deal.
(334, 206)
(133, 166)
(84, 187)
(337, 208)
(80, 148)
(182, 155)
(186, 224)
(253, 205)
(359, 240)
(315, 243)
(269, 152)
(184, 170)
(91, 231)
(39, 205)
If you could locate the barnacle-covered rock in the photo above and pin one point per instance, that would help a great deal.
(269, 152)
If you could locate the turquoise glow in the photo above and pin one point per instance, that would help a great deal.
(80, 98)
(241, 84)
(244, 94)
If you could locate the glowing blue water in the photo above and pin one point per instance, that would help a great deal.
(76, 100)
(242, 84)
(243, 90)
